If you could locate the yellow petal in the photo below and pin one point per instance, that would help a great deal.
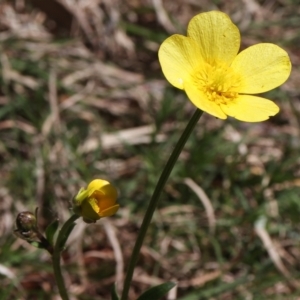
(109, 191)
(178, 56)
(262, 67)
(250, 108)
(105, 202)
(217, 37)
(97, 184)
(90, 210)
(103, 187)
(109, 212)
(200, 100)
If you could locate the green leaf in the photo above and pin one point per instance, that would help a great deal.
(114, 294)
(157, 292)
(51, 230)
(65, 237)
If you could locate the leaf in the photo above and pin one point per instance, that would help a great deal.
(65, 237)
(114, 294)
(51, 230)
(157, 292)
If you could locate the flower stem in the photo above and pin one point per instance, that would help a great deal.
(59, 245)
(154, 199)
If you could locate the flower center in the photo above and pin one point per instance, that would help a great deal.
(218, 82)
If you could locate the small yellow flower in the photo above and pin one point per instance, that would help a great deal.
(97, 201)
(217, 79)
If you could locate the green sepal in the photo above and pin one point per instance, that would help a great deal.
(51, 230)
(114, 294)
(157, 292)
(81, 195)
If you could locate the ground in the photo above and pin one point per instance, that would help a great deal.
(82, 96)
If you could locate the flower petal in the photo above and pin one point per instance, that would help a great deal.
(262, 67)
(217, 37)
(90, 210)
(97, 184)
(102, 187)
(178, 56)
(104, 201)
(200, 100)
(109, 212)
(250, 108)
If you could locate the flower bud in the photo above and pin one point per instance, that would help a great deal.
(26, 225)
(98, 200)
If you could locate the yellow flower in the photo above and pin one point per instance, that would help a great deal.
(217, 79)
(97, 201)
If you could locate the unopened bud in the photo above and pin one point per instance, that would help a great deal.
(26, 226)
(27, 229)
(26, 221)
(97, 201)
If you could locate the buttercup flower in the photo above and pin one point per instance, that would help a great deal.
(217, 79)
(98, 200)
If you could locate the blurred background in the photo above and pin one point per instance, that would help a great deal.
(82, 96)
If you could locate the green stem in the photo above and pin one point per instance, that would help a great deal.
(45, 244)
(59, 245)
(154, 199)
